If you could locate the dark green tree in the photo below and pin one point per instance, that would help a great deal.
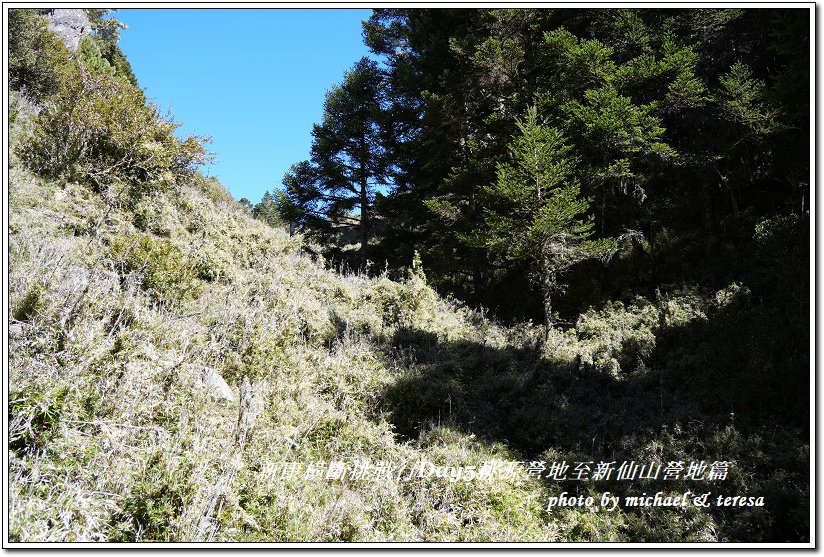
(456, 80)
(38, 59)
(100, 49)
(688, 125)
(538, 214)
(266, 211)
(246, 204)
(336, 188)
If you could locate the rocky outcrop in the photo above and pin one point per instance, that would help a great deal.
(69, 24)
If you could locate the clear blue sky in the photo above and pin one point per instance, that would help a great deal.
(253, 80)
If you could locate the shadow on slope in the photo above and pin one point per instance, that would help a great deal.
(518, 396)
(670, 407)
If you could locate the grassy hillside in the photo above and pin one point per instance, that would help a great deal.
(119, 315)
(169, 355)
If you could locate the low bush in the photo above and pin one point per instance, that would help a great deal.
(34, 416)
(402, 303)
(166, 273)
(614, 338)
(30, 305)
(152, 510)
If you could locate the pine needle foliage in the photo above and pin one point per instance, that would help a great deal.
(541, 215)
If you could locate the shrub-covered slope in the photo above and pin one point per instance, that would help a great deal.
(122, 318)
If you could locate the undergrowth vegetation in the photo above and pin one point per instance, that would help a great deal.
(170, 355)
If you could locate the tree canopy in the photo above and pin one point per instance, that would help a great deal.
(675, 134)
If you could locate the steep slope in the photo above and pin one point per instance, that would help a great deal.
(126, 323)
(123, 319)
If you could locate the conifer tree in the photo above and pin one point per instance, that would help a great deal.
(348, 160)
(538, 212)
(246, 204)
(267, 210)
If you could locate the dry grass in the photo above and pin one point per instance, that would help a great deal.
(117, 435)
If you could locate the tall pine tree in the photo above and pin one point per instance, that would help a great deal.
(336, 189)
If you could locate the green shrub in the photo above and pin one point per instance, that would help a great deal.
(683, 306)
(151, 510)
(208, 265)
(777, 236)
(616, 337)
(214, 190)
(38, 59)
(167, 275)
(106, 34)
(98, 130)
(92, 55)
(734, 296)
(402, 303)
(151, 214)
(34, 416)
(30, 305)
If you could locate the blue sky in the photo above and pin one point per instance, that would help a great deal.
(253, 80)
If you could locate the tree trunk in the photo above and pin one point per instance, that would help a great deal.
(547, 286)
(364, 222)
(364, 198)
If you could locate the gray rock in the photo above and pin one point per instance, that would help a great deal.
(69, 24)
(16, 329)
(217, 385)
